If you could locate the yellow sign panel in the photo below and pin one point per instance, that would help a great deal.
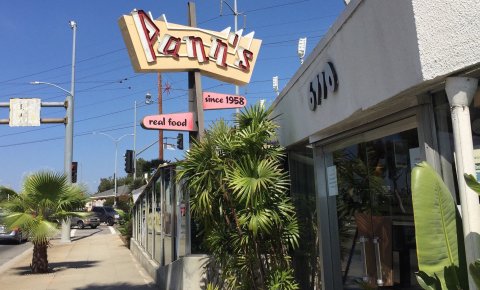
(156, 45)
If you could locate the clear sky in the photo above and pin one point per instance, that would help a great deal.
(36, 44)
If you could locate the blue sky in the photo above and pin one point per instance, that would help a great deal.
(36, 44)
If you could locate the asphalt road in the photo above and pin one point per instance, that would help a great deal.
(9, 250)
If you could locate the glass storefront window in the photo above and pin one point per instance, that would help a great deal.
(143, 223)
(158, 223)
(182, 213)
(168, 216)
(374, 211)
(150, 222)
(161, 218)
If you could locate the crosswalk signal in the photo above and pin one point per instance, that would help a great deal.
(180, 141)
(129, 161)
(74, 171)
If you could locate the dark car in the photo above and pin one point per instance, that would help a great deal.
(106, 214)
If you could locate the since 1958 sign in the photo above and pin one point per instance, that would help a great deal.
(156, 45)
(215, 101)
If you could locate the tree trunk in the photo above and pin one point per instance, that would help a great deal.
(39, 259)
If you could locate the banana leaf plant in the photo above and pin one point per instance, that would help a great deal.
(439, 238)
(474, 268)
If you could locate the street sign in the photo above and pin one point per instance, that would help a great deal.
(215, 101)
(173, 122)
(24, 112)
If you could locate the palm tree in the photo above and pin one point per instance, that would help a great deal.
(239, 197)
(46, 197)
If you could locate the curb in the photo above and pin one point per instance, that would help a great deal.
(13, 261)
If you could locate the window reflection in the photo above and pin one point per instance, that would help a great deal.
(375, 213)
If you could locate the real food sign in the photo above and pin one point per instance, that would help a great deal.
(156, 45)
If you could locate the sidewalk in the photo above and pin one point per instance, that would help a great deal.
(100, 261)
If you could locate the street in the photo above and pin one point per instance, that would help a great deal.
(10, 250)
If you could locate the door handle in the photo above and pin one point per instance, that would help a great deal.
(363, 240)
(376, 242)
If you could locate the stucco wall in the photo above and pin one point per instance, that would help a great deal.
(380, 50)
(448, 35)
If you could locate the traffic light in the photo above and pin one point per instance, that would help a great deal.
(129, 161)
(74, 171)
(180, 141)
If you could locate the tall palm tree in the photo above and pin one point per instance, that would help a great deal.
(46, 197)
(239, 196)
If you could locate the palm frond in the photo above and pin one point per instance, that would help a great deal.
(42, 231)
(19, 220)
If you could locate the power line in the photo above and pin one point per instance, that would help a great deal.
(58, 138)
(276, 6)
(62, 66)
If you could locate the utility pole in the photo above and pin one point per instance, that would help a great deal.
(134, 140)
(195, 103)
(160, 111)
(235, 15)
(70, 103)
(68, 154)
(65, 236)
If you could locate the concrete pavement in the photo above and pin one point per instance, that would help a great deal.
(97, 261)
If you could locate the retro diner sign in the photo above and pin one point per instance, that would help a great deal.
(156, 46)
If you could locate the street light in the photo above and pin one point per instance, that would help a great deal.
(50, 84)
(69, 103)
(68, 157)
(149, 101)
(275, 84)
(302, 47)
(116, 152)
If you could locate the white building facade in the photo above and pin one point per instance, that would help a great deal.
(391, 84)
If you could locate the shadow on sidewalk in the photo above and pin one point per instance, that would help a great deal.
(118, 286)
(57, 267)
(83, 237)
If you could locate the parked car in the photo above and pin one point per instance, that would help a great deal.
(106, 214)
(10, 235)
(15, 234)
(91, 221)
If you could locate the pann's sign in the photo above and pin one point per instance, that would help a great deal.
(156, 45)
(324, 82)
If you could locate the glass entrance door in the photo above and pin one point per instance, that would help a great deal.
(374, 211)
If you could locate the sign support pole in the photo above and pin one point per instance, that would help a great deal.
(195, 98)
(160, 111)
